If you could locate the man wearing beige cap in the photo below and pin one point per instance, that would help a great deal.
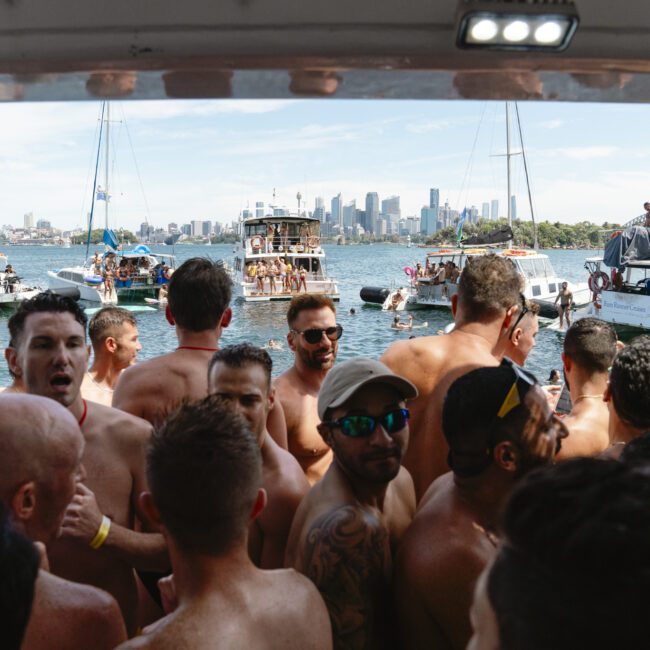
(346, 529)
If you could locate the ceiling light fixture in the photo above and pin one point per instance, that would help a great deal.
(523, 25)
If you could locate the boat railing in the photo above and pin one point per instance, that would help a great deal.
(260, 244)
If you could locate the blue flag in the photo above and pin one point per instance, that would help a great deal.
(110, 239)
(459, 227)
(102, 195)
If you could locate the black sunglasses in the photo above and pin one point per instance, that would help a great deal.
(362, 426)
(522, 312)
(315, 335)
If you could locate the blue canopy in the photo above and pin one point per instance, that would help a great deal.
(140, 249)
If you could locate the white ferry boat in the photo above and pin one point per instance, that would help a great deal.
(292, 240)
(12, 288)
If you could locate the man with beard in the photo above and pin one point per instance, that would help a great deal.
(41, 448)
(241, 376)
(99, 543)
(347, 528)
(314, 338)
(113, 332)
(485, 308)
(499, 426)
(198, 299)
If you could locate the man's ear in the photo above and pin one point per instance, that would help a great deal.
(506, 456)
(226, 318)
(566, 362)
(290, 341)
(454, 304)
(271, 397)
(607, 395)
(259, 505)
(510, 314)
(516, 335)
(23, 502)
(110, 344)
(11, 356)
(169, 317)
(148, 508)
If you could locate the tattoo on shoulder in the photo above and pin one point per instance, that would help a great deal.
(347, 556)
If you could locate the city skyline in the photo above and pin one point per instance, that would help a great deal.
(210, 160)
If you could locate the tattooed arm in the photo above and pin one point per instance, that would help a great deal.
(347, 556)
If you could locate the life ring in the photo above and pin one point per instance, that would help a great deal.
(257, 242)
(598, 282)
(313, 241)
(513, 252)
(409, 271)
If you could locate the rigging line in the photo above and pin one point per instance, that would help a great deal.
(530, 197)
(92, 205)
(471, 156)
(137, 169)
(89, 168)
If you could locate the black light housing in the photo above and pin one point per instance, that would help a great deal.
(520, 25)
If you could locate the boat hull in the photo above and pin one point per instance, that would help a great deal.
(86, 292)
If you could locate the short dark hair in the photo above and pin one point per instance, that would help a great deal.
(204, 470)
(199, 293)
(469, 418)
(591, 344)
(305, 301)
(243, 354)
(488, 285)
(575, 534)
(629, 380)
(19, 563)
(47, 301)
(105, 322)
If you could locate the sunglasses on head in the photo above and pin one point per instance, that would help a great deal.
(315, 335)
(522, 312)
(362, 426)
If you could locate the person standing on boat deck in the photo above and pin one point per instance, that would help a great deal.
(566, 302)
(218, 597)
(485, 308)
(97, 263)
(347, 528)
(198, 307)
(499, 427)
(113, 332)
(241, 376)
(260, 275)
(589, 349)
(627, 394)
(282, 273)
(523, 334)
(99, 545)
(41, 448)
(293, 422)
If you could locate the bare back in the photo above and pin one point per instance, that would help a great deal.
(299, 404)
(114, 461)
(95, 392)
(69, 615)
(270, 610)
(439, 560)
(433, 363)
(588, 425)
(151, 389)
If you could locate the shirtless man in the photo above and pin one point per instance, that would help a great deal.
(347, 528)
(113, 332)
(198, 299)
(223, 600)
(314, 339)
(241, 376)
(485, 308)
(50, 355)
(523, 334)
(589, 349)
(627, 394)
(40, 466)
(498, 426)
(566, 302)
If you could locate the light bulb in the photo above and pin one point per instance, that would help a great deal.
(516, 31)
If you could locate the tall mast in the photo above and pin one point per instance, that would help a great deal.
(107, 142)
(508, 154)
(530, 197)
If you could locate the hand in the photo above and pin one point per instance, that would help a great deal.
(82, 517)
(168, 596)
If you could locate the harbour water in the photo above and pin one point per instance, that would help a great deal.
(354, 266)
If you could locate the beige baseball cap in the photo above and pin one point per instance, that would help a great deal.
(346, 378)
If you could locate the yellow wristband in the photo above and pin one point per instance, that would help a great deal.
(102, 533)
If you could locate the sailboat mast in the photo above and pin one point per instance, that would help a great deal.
(508, 154)
(530, 196)
(107, 142)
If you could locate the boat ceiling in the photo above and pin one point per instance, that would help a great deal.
(87, 49)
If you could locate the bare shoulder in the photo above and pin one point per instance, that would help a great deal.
(118, 423)
(421, 351)
(285, 384)
(293, 478)
(141, 381)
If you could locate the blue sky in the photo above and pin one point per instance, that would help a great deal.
(210, 159)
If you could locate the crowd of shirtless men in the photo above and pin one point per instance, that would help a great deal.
(429, 499)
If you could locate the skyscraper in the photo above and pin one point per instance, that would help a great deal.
(349, 214)
(434, 198)
(513, 207)
(259, 209)
(485, 212)
(319, 209)
(391, 206)
(29, 220)
(495, 210)
(428, 220)
(337, 212)
(372, 211)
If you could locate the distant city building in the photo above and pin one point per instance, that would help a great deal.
(186, 229)
(337, 210)
(197, 229)
(247, 214)
(172, 228)
(485, 212)
(146, 231)
(494, 215)
(319, 203)
(349, 214)
(380, 227)
(218, 228)
(513, 207)
(372, 211)
(29, 220)
(280, 212)
(473, 214)
(207, 228)
(390, 206)
(44, 224)
(360, 220)
(428, 220)
(434, 198)
(259, 209)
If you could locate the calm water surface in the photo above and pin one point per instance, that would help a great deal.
(367, 333)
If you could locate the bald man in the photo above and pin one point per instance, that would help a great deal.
(41, 447)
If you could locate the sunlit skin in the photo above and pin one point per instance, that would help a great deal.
(315, 356)
(127, 346)
(484, 621)
(523, 339)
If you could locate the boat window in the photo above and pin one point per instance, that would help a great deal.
(537, 290)
(540, 268)
(550, 271)
(527, 268)
(552, 287)
(257, 229)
